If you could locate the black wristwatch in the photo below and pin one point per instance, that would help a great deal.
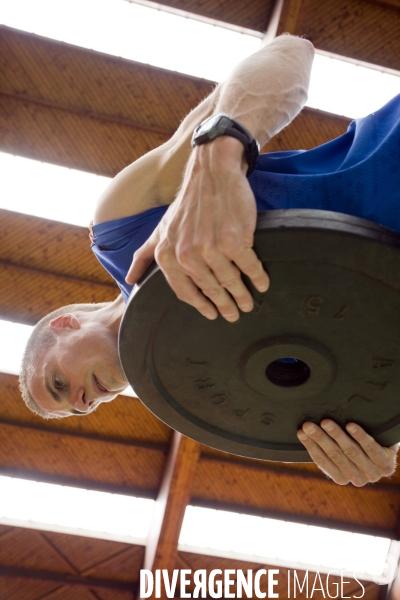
(222, 124)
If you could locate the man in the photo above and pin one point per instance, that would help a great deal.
(197, 209)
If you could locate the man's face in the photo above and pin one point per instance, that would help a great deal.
(78, 372)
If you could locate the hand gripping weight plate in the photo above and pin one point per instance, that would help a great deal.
(322, 342)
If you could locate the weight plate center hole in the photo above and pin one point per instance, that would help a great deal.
(288, 372)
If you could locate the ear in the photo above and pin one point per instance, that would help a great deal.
(67, 321)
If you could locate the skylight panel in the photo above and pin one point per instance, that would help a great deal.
(14, 337)
(175, 41)
(275, 542)
(51, 508)
(205, 531)
(49, 191)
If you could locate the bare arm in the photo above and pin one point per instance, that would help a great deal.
(204, 241)
(264, 92)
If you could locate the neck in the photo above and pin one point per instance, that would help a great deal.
(110, 315)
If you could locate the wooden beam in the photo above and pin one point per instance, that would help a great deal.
(45, 291)
(69, 580)
(91, 461)
(115, 111)
(253, 15)
(51, 246)
(353, 29)
(84, 109)
(280, 469)
(174, 493)
(289, 16)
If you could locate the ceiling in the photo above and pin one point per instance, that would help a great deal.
(83, 109)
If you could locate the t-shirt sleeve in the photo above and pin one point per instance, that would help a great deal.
(115, 242)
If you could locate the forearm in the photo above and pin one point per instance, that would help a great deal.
(268, 89)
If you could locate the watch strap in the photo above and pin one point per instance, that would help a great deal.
(223, 124)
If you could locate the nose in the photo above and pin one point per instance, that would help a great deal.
(81, 402)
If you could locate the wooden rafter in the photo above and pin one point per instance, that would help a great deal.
(173, 496)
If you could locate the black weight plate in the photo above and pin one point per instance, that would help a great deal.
(333, 304)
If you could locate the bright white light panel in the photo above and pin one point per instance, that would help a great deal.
(134, 32)
(159, 38)
(13, 337)
(125, 518)
(73, 510)
(48, 191)
(259, 539)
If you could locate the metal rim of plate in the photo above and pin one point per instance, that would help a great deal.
(333, 304)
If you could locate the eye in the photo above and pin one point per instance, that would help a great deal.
(99, 385)
(58, 384)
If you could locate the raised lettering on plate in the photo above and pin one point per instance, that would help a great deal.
(382, 363)
(241, 413)
(195, 363)
(267, 418)
(380, 384)
(204, 384)
(339, 316)
(359, 397)
(313, 304)
(218, 399)
(337, 413)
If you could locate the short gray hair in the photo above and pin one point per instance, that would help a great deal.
(41, 338)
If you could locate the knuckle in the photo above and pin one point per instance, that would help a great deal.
(351, 453)
(229, 282)
(212, 292)
(161, 254)
(230, 241)
(184, 258)
(370, 448)
(335, 455)
(208, 252)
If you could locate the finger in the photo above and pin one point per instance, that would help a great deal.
(353, 451)
(249, 264)
(142, 259)
(383, 458)
(229, 278)
(321, 459)
(335, 454)
(187, 291)
(205, 279)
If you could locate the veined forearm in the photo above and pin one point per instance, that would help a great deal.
(268, 89)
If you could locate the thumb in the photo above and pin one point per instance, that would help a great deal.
(142, 259)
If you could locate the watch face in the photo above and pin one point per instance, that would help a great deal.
(208, 124)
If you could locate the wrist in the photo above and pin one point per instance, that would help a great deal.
(222, 125)
(224, 154)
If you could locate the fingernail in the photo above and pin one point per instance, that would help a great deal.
(351, 428)
(263, 288)
(246, 308)
(302, 436)
(328, 427)
(310, 429)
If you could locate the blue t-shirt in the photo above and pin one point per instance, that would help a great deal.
(357, 173)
